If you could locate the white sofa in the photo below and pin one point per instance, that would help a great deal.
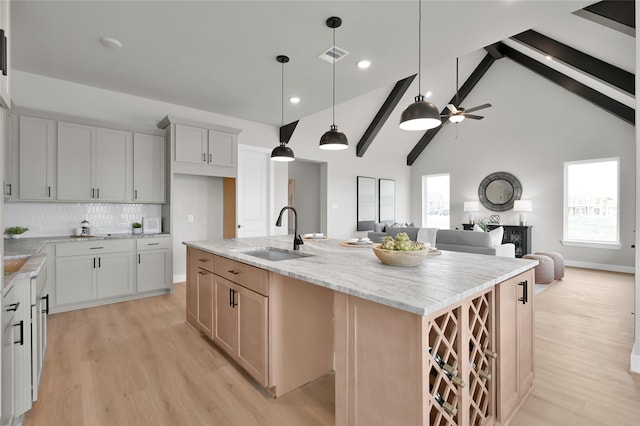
(473, 242)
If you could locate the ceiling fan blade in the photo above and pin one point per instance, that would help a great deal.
(483, 106)
(452, 108)
(474, 117)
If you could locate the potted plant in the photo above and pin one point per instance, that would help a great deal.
(137, 227)
(15, 231)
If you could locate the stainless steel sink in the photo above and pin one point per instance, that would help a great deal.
(273, 253)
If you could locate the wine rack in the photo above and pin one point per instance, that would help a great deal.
(444, 338)
(460, 363)
(481, 358)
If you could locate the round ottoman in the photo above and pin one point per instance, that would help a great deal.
(558, 263)
(544, 270)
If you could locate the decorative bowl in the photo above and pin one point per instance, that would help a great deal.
(401, 258)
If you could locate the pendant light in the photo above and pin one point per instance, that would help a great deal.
(333, 139)
(420, 115)
(282, 152)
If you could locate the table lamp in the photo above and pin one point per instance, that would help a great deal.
(470, 207)
(522, 206)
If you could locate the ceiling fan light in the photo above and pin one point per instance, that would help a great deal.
(456, 118)
(282, 153)
(333, 140)
(420, 115)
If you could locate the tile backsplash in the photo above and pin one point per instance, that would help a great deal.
(55, 219)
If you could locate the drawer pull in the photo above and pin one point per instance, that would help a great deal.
(13, 307)
(153, 244)
(46, 309)
(21, 341)
(203, 272)
(96, 248)
(203, 260)
(233, 271)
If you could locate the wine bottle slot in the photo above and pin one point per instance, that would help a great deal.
(456, 380)
(490, 353)
(450, 409)
(451, 370)
(485, 374)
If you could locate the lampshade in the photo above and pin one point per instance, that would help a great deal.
(333, 140)
(522, 206)
(420, 115)
(456, 118)
(471, 206)
(282, 153)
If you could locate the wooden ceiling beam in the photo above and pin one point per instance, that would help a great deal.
(381, 117)
(622, 12)
(466, 88)
(286, 131)
(603, 101)
(604, 71)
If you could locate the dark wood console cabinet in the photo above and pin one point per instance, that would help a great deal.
(520, 236)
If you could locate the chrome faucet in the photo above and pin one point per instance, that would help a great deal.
(296, 238)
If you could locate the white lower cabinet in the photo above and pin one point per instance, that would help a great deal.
(103, 271)
(153, 258)
(89, 271)
(9, 309)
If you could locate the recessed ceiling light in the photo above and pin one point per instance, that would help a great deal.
(428, 94)
(364, 64)
(294, 99)
(111, 43)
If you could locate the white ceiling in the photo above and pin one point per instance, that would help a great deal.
(219, 56)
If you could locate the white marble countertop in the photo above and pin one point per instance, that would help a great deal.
(439, 281)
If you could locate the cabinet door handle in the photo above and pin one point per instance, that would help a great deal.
(99, 265)
(3, 54)
(135, 194)
(13, 307)
(98, 193)
(233, 271)
(204, 157)
(21, 325)
(46, 309)
(10, 190)
(94, 263)
(93, 193)
(202, 272)
(49, 191)
(138, 258)
(153, 244)
(210, 158)
(96, 248)
(525, 291)
(231, 297)
(203, 260)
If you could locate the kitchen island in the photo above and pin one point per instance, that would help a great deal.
(446, 342)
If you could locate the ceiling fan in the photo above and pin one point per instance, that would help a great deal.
(457, 114)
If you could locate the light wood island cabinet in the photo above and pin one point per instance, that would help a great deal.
(263, 320)
(408, 346)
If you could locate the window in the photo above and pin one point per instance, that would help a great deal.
(591, 195)
(435, 201)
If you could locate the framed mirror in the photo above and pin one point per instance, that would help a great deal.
(499, 190)
(366, 203)
(386, 200)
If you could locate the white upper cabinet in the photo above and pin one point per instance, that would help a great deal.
(222, 149)
(5, 54)
(148, 168)
(202, 149)
(94, 164)
(191, 144)
(37, 146)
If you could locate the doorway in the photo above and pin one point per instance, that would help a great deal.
(307, 193)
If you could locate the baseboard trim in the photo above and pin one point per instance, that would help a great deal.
(179, 278)
(601, 266)
(635, 358)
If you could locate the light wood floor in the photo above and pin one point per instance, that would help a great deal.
(137, 363)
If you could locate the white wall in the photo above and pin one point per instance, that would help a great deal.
(307, 200)
(635, 353)
(200, 197)
(533, 127)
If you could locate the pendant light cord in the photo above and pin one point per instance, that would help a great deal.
(419, 46)
(333, 109)
(282, 92)
(457, 100)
